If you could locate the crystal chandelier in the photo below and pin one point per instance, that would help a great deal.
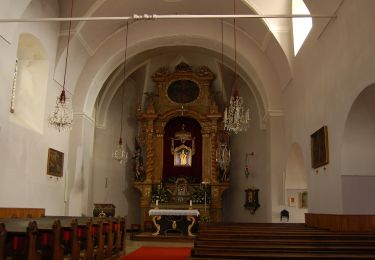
(236, 116)
(119, 154)
(62, 116)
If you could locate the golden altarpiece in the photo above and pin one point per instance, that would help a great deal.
(180, 128)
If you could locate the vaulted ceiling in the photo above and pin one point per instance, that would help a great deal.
(264, 46)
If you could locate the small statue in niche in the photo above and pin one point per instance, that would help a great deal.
(183, 157)
(224, 173)
(138, 165)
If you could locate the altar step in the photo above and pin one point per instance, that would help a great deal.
(147, 236)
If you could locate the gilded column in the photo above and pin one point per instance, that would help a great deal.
(213, 163)
(149, 117)
(149, 152)
(206, 174)
(159, 148)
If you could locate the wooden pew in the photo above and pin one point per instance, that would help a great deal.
(21, 242)
(51, 238)
(22, 212)
(279, 241)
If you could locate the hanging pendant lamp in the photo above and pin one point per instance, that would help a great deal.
(236, 116)
(222, 150)
(62, 116)
(119, 154)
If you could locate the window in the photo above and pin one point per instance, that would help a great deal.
(29, 90)
(301, 26)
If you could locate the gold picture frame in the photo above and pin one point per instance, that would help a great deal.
(319, 148)
(55, 163)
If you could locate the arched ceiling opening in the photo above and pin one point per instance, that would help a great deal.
(358, 146)
(140, 73)
(296, 175)
(253, 34)
(264, 46)
(147, 40)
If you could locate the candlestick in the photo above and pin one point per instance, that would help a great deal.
(157, 202)
(191, 203)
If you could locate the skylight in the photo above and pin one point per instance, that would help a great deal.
(301, 26)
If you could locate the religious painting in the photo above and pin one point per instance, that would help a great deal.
(55, 163)
(183, 91)
(319, 148)
(182, 156)
(292, 201)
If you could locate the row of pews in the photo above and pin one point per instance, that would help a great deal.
(56, 238)
(279, 241)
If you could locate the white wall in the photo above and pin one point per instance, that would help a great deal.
(23, 153)
(330, 71)
(254, 140)
(112, 181)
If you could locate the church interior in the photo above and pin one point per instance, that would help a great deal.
(248, 111)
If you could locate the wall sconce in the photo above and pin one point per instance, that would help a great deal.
(247, 167)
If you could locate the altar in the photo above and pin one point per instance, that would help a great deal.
(174, 220)
(180, 130)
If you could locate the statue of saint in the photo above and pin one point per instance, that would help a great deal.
(138, 167)
(183, 157)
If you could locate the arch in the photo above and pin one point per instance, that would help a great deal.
(295, 174)
(31, 88)
(194, 127)
(254, 66)
(358, 149)
(357, 155)
(296, 185)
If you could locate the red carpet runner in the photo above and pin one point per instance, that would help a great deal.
(159, 253)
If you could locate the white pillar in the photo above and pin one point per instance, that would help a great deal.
(80, 166)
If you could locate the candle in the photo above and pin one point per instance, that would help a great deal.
(191, 203)
(157, 202)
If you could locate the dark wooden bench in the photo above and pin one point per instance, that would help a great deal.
(280, 241)
(58, 237)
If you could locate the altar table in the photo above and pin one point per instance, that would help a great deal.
(180, 220)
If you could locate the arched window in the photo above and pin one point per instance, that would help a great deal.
(29, 90)
(301, 26)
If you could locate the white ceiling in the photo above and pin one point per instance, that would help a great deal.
(271, 36)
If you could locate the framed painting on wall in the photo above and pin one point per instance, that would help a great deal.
(319, 148)
(55, 163)
(292, 201)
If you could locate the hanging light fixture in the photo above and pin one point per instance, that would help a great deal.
(62, 117)
(119, 154)
(236, 116)
(222, 151)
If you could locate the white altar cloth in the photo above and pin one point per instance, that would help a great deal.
(173, 212)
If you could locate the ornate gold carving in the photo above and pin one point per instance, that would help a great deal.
(192, 219)
(183, 67)
(162, 72)
(154, 219)
(204, 71)
(159, 110)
